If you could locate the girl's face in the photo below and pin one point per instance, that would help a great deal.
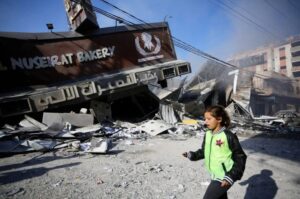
(212, 123)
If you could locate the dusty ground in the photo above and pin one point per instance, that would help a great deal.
(152, 168)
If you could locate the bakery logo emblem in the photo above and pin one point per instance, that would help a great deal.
(150, 47)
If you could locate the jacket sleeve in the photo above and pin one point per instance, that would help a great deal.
(239, 158)
(199, 154)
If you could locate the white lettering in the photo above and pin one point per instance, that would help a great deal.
(64, 60)
(44, 62)
(105, 52)
(54, 60)
(16, 63)
(99, 53)
(69, 57)
(37, 62)
(111, 49)
(28, 63)
(87, 56)
(80, 57)
(93, 55)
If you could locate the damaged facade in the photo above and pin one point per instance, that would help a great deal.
(275, 82)
(273, 92)
(261, 93)
(45, 71)
(105, 72)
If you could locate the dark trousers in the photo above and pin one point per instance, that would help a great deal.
(215, 191)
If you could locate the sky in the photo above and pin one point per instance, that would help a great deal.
(220, 28)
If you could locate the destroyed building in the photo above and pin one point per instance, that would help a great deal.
(275, 83)
(273, 92)
(107, 68)
(282, 57)
(259, 93)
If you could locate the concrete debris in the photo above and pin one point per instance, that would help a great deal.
(237, 110)
(99, 181)
(75, 145)
(85, 146)
(32, 135)
(36, 123)
(155, 127)
(2, 134)
(26, 123)
(99, 145)
(86, 129)
(58, 183)
(181, 188)
(78, 120)
(83, 110)
(156, 168)
(179, 114)
(127, 125)
(167, 113)
(129, 142)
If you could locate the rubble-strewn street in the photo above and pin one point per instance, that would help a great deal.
(110, 110)
(149, 168)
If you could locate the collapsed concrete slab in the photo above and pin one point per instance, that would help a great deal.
(79, 120)
(155, 127)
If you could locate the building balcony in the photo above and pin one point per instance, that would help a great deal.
(295, 59)
(295, 49)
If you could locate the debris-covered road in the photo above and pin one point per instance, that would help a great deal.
(149, 168)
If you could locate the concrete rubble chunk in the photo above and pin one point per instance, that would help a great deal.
(22, 130)
(36, 123)
(155, 127)
(25, 123)
(76, 119)
(167, 113)
(100, 145)
(87, 129)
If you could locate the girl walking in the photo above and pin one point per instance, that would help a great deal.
(223, 155)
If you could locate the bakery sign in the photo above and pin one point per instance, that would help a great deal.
(49, 58)
(38, 62)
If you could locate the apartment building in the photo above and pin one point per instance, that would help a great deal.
(283, 58)
(276, 76)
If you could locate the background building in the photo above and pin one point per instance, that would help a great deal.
(276, 76)
(283, 58)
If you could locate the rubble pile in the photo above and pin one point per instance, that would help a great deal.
(77, 132)
(180, 112)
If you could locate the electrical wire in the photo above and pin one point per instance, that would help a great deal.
(252, 15)
(177, 42)
(185, 46)
(294, 5)
(276, 9)
(246, 19)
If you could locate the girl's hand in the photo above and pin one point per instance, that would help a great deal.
(184, 154)
(224, 183)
